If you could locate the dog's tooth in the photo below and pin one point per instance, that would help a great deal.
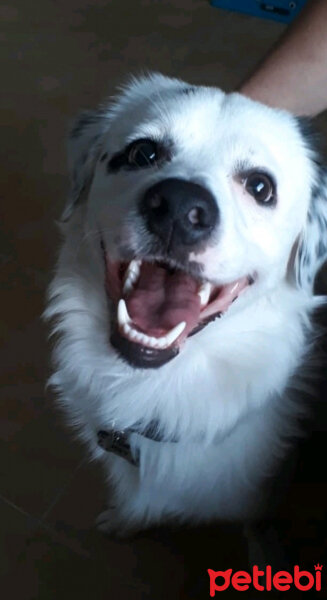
(158, 343)
(146, 339)
(174, 333)
(126, 328)
(132, 334)
(204, 293)
(122, 313)
(140, 337)
(131, 276)
(126, 325)
(162, 342)
(128, 285)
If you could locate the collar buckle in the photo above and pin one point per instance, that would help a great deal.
(116, 441)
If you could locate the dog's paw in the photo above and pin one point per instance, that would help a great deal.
(111, 523)
(108, 521)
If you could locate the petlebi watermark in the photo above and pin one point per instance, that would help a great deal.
(265, 580)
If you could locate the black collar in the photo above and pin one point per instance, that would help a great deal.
(117, 441)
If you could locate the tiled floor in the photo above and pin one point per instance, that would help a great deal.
(58, 57)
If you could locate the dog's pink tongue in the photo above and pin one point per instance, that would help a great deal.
(160, 300)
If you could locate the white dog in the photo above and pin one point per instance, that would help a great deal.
(183, 292)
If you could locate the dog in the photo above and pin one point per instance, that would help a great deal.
(183, 296)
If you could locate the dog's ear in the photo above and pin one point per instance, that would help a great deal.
(84, 144)
(86, 134)
(311, 250)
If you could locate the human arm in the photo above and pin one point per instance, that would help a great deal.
(293, 76)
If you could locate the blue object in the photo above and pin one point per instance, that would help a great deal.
(276, 9)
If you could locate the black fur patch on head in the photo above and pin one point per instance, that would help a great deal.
(313, 140)
(311, 136)
(312, 251)
(188, 91)
(85, 119)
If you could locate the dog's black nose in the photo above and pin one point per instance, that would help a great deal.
(179, 212)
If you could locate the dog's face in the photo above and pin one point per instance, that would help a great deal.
(197, 203)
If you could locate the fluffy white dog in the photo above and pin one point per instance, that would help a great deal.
(182, 296)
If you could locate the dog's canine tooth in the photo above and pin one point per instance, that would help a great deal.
(131, 276)
(204, 293)
(174, 333)
(122, 313)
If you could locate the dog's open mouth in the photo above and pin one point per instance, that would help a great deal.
(158, 306)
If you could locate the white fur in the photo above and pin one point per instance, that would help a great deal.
(225, 395)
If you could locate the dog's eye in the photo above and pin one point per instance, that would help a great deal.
(261, 187)
(142, 153)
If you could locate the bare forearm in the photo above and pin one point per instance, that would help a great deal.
(294, 74)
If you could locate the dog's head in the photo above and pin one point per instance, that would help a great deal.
(193, 199)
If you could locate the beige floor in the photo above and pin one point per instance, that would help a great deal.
(58, 57)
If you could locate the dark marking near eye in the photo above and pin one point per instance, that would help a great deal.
(104, 156)
(116, 162)
(120, 160)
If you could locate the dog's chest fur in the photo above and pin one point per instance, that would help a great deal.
(225, 402)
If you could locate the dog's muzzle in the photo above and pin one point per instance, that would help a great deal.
(160, 299)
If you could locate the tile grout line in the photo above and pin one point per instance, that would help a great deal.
(18, 508)
(39, 522)
(60, 493)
